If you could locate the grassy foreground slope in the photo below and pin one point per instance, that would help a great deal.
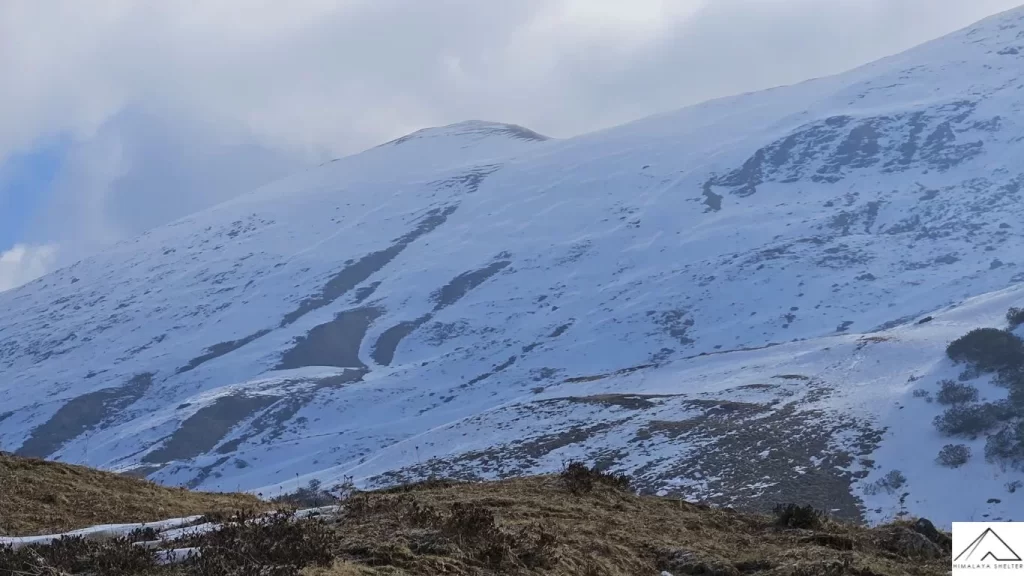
(39, 497)
(537, 525)
(578, 523)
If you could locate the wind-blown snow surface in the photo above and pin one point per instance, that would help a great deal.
(478, 300)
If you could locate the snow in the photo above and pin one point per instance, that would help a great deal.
(167, 531)
(176, 555)
(103, 531)
(522, 269)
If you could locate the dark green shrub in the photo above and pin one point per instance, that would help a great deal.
(1012, 378)
(1015, 317)
(271, 545)
(988, 349)
(579, 479)
(970, 372)
(892, 481)
(313, 495)
(1007, 444)
(954, 455)
(968, 420)
(793, 516)
(76, 555)
(1015, 400)
(951, 392)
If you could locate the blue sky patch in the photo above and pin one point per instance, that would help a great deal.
(26, 179)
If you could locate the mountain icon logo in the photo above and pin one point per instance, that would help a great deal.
(988, 546)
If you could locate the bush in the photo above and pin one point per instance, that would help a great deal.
(579, 479)
(951, 392)
(1015, 317)
(1015, 399)
(477, 531)
(309, 496)
(467, 530)
(954, 455)
(892, 481)
(76, 555)
(313, 495)
(1007, 444)
(969, 420)
(1012, 378)
(275, 544)
(988, 349)
(970, 372)
(793, 516)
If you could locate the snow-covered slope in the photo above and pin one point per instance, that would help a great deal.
(721, 301)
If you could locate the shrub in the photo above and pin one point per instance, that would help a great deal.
(476, 529)
(988, 349)
(892, 481)
(76, 555)
(579, 479)
(1007, 444)
(312, 495)
(471, 522)
(970, 372)
(272, 545)
(1015, 317)
(951, 392)
(1015, 400)
(793, 516)
(921, 393)
(968, 420)
(1012, 378)
(954, 455)
(469, 530)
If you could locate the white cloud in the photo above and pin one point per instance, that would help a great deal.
(24, 263)
(141, 170)
(345, 74)
(273, 85)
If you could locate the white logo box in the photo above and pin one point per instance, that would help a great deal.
(984, 548)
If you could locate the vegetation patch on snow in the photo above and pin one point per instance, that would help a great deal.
(1001, 422)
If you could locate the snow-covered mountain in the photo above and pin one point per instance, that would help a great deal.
(724, 301)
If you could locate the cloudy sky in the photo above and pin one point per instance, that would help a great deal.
(120, 115)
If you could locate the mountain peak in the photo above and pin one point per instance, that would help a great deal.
(473, 130)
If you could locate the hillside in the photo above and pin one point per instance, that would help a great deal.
(580, 522)
(742, 302)
(38, 497)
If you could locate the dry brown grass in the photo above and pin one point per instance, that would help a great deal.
(613, 533)
(39, 497)
(341, 568)
(542, 526)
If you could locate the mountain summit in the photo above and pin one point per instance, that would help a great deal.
(746, 301)
(472, 129)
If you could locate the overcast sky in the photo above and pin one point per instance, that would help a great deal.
(119, 115)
